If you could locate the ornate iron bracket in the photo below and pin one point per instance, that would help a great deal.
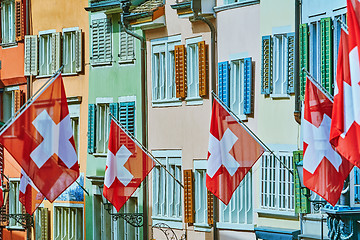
(318, 205)
(26, 220)
(168, 232)
(134, 219)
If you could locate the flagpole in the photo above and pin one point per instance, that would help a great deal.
(144, 148)
(250, 132)
(321, 88)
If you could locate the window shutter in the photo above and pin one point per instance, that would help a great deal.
(126, 46)
(203, 68)
(247, 86)
(302, 204)
(44, 215)
(180, 71)
(19, 20)
(78, 51)
(55, 51)
(4, 210)
(326, 54)
(114, 110)
(210, 207)
(266, 65)
(127, 119)
(189, 196)
(17, 100)
(91, 128)
(304, 56)
(290, 58)
(0, 25)
(101, 41)
(224, 82)
(31, 55)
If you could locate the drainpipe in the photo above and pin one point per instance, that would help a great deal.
(143, 116)
(27, 32)
(297, 111)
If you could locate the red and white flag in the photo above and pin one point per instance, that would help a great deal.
(41, 140)
(29, 195)
(324, 169)
(127, 165)
(232, 153)
(345, 128)
(1, 193)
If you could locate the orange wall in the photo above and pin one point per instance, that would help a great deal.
(14, 235)
(12, 65)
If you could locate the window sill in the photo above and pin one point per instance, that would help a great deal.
(69, 74)
(280, 96)
(99, 154)
(235, 226)
(281, 214)
(15, 228)
(8, 45)
(194, 101)
(202, 227)
(172, 222)
(243, 3)
(43, 76)
(130, 61)
(167, 103)
(101, 64)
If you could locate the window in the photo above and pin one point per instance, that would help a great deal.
(12, 100)
(277, 183)
(102, 127)
(240, 208)
(49, 56)
(278, 64)
(315, 50)
(336, 37)
(192, 71)
(74, 111)
(166, 191)
(68, 223)
(101, 220)
(127, 52)
(15, 206)
(71, 50)
(163, 65)
(201, 210)
(101, 41)
(8, 21)
(42, 223)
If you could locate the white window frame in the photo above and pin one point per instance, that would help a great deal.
(45, 58)
(280, 64)
(102, 127)
(237, 90)
(100, 223)
(73, 228)
(68, 50)
(163, 72)
(15, 206)
(277, 184)
(315, 49)
(192, 68)
(167, 201)
(8, 21)
(74, 111)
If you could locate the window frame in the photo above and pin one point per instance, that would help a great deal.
(47, 55)
(7, 28)
(72, 32)
(238, 65)
(102, 130)
(280, 64)
(15, 206)
(68, 206)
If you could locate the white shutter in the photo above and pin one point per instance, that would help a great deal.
(78, 51)
(126, 46)
(31, 55)
(101, 41)
(55, 51)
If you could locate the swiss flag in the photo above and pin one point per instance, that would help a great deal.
(345, 128)
(232, 153)
(40, 139)
(29, 195)
(324, 169)
(127, 165)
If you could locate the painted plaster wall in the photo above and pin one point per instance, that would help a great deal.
(12, 64)
(314, 10)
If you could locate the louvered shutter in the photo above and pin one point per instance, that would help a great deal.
(127, 119)
(55, 51)
(224, 82)
(31, 55)
(189, 196)
(44, 219)
(126, 46)
(4, 210)
(290, 58)
(17, 100)
(326, 54)
(180, 71)
(91, 128)
(78, 51)
(302, 204)
(19, 20)
(203, 68)
(266, 65)
(210, 207)
(114, 110)
(101, 41)
(247, 86)
(304, 56)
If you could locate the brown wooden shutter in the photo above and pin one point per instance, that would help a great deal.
(189, 196)
(45, 224)
(203, 68)
(19, 20)
(22, 98)
(17, 100)
(4, 210)
(180, 71)
(210, 207)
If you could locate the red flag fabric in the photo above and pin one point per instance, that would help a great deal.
(40, 139)
(127, 165)
(324, 169)
(232, 153)
(345, 128)
(29, 195)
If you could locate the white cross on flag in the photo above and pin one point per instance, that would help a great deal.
(127, 165)
(232, 153)
(29, 195)
(324, 169)
(40, 139)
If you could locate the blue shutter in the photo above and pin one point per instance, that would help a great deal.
(291, 57)
(266, 65)
(247, 85)
(127, 116)
(224, 83)
(91, 128)
(114, 110)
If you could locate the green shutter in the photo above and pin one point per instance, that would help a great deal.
(304, 56)
(266, 65)
(326, 54)
(101, 41)
(114, 110)
(302, 204)
(290, 58)
(91, 128)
